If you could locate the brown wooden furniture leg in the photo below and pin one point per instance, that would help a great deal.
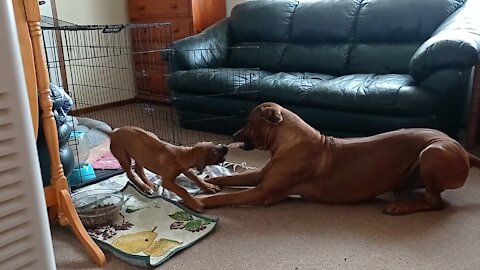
(27, 60)
(58, 193)
(53, 214)
(473, 117)
(67, 207)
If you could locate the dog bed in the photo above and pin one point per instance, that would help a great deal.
(91, 128)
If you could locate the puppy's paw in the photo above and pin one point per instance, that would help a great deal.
(153, 186)
(145, 189)
(149, 191)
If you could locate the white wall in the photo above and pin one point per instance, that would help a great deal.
(89, 11)
(231, 4)
(46, 9)
(97, 73)
(93, 11)
(99, 12)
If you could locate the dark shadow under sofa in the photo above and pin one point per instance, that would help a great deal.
(347, 67)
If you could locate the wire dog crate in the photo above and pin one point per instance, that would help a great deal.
(113, 73)
(116, 75)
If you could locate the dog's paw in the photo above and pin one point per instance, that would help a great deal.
(210, 180)
(408, 207)
(393, 209)
(211, 188)
(216, 181)
(195, 205)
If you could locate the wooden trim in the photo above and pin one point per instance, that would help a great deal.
(153, 98)
(59, 181)
(102, 107)
(61, 199)
(473, 117)
(27, 60)
(50, 196)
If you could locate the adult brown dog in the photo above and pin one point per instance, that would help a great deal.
(164, 159)
(343, 171)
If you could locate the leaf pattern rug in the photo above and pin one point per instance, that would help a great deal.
(149, 231)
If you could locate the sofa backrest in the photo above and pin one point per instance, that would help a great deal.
(334, 36)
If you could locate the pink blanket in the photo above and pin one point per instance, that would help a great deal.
(106, 162)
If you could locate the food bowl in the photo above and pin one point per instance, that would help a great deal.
(99, 207)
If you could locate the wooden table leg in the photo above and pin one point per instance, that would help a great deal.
(473, 117)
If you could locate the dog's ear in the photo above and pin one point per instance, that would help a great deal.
(272, 115)
(200, 168)
(199, 157)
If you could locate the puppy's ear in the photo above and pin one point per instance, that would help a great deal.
(272, 115)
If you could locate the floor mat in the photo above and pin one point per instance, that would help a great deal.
(149, 231)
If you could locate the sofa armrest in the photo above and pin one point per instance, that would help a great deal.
(205, 50)
(455, 44)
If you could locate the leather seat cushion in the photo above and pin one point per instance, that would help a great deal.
(370, 93)
(217, 81)
(367, 93)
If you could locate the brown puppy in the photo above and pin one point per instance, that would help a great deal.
(343, 171)
(164, 159)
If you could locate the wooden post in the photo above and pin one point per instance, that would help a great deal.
(473, 117)
(27, 60)
(63, 202)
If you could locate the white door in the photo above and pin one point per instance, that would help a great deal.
(25, 239)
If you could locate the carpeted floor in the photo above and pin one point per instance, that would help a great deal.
(301, 235)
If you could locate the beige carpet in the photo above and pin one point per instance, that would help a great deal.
(301, 235)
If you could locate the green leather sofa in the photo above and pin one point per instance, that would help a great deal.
(347, 67)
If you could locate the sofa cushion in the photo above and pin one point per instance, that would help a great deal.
(338, 36)
(381, 58)
(274, 25)
(366, 93)
(328, 58)
(323, 21)
(263, 55)
(401, 21)
(217, 82)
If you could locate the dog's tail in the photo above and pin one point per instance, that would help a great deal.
(474, 161)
